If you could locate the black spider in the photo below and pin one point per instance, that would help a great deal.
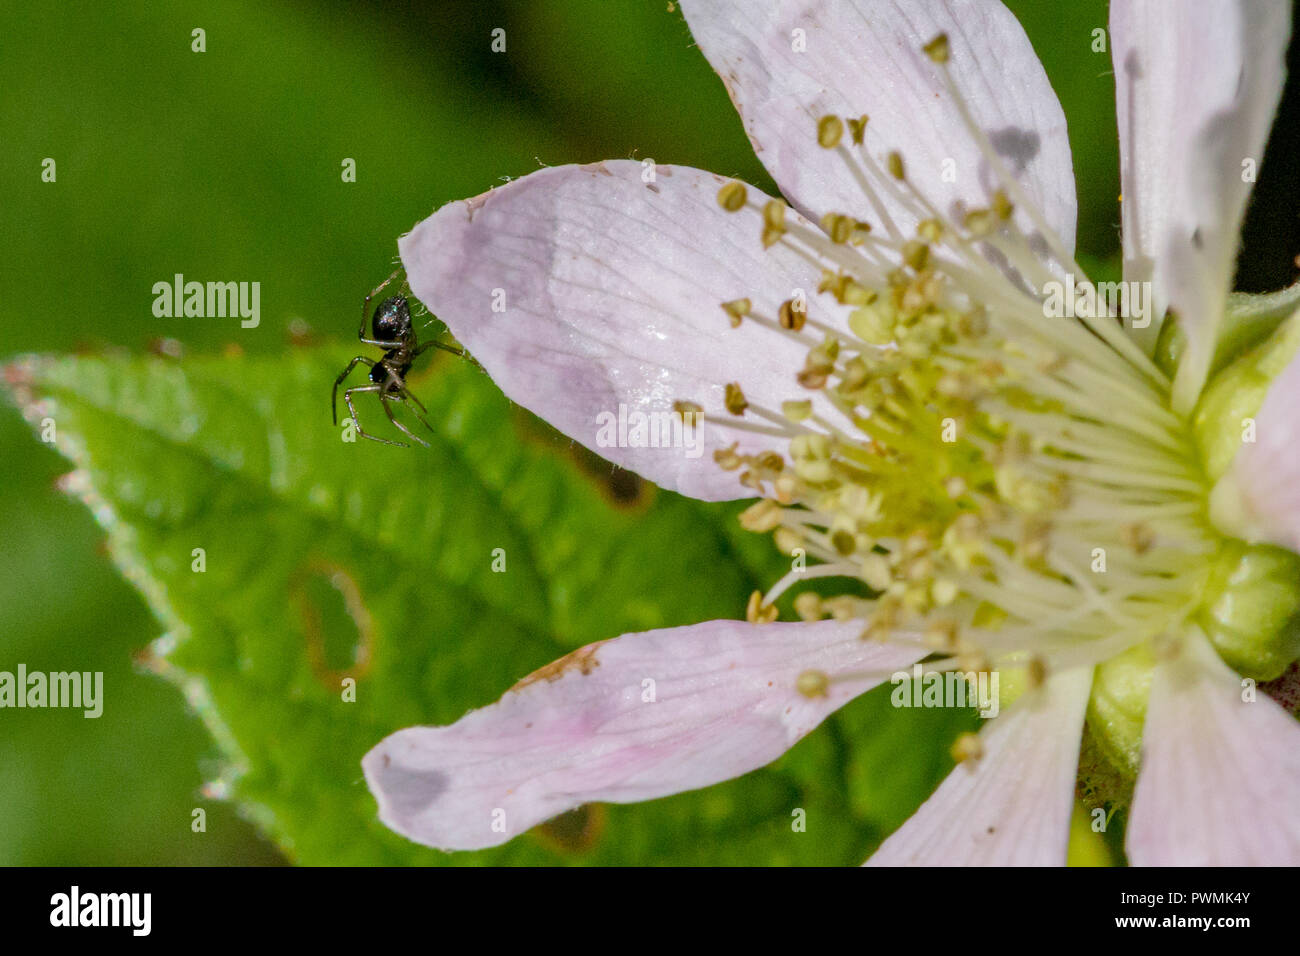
(393, 332)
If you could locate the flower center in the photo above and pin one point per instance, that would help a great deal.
(1004, 488)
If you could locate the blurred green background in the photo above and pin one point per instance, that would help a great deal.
(226, 164)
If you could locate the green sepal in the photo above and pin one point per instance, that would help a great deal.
(1235, 395)
(1249, 319)
(1117, 709)
(1254, 621)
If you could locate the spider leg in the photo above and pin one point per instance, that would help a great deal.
(454, 350)
(419, 412)
(334, 401)
(365, 308)
(435, 344)
(403, 393)
(406, 393)
(347, 397)
(384, 400)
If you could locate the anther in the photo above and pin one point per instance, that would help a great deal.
(979, 223)
(731, 197)
(812, 684)
(858, 129)
(1002, 205)
(1054, 362)
(842, 608)
(873, 324)
(974, 324)
(916, 544)
(1139, 537)
(830, 129)
(727, 458)
(791, 317)
(967, 747)
(797, 411)
(774, 214)
(1034, 539)
(812, 379)
(882, 620)
(944, 591)
(920, 569)
(773, 222)
(916, 254)
(787, 540)
(856, 374)
(834, 283)
(895, 163)
(846, 290)
(937, 49)
(787, 488)
(737, 309)
(838, 227)
(844, 542)
(942, 636)
(688, 408)
(734, 399)
(931, 230)
(808, 606)
(876, 572)
(758, 613)
(761, 517)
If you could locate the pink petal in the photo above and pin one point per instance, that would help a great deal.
(1012, 806)
(864, 56)
(612, 290)
(1220, 777)
(1196, 92)
(586, 729)
(1259, 498)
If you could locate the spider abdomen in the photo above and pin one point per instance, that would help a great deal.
(392, 320)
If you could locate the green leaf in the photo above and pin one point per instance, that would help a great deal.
(236, 456)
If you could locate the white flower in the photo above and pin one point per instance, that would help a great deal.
(1021, 493)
